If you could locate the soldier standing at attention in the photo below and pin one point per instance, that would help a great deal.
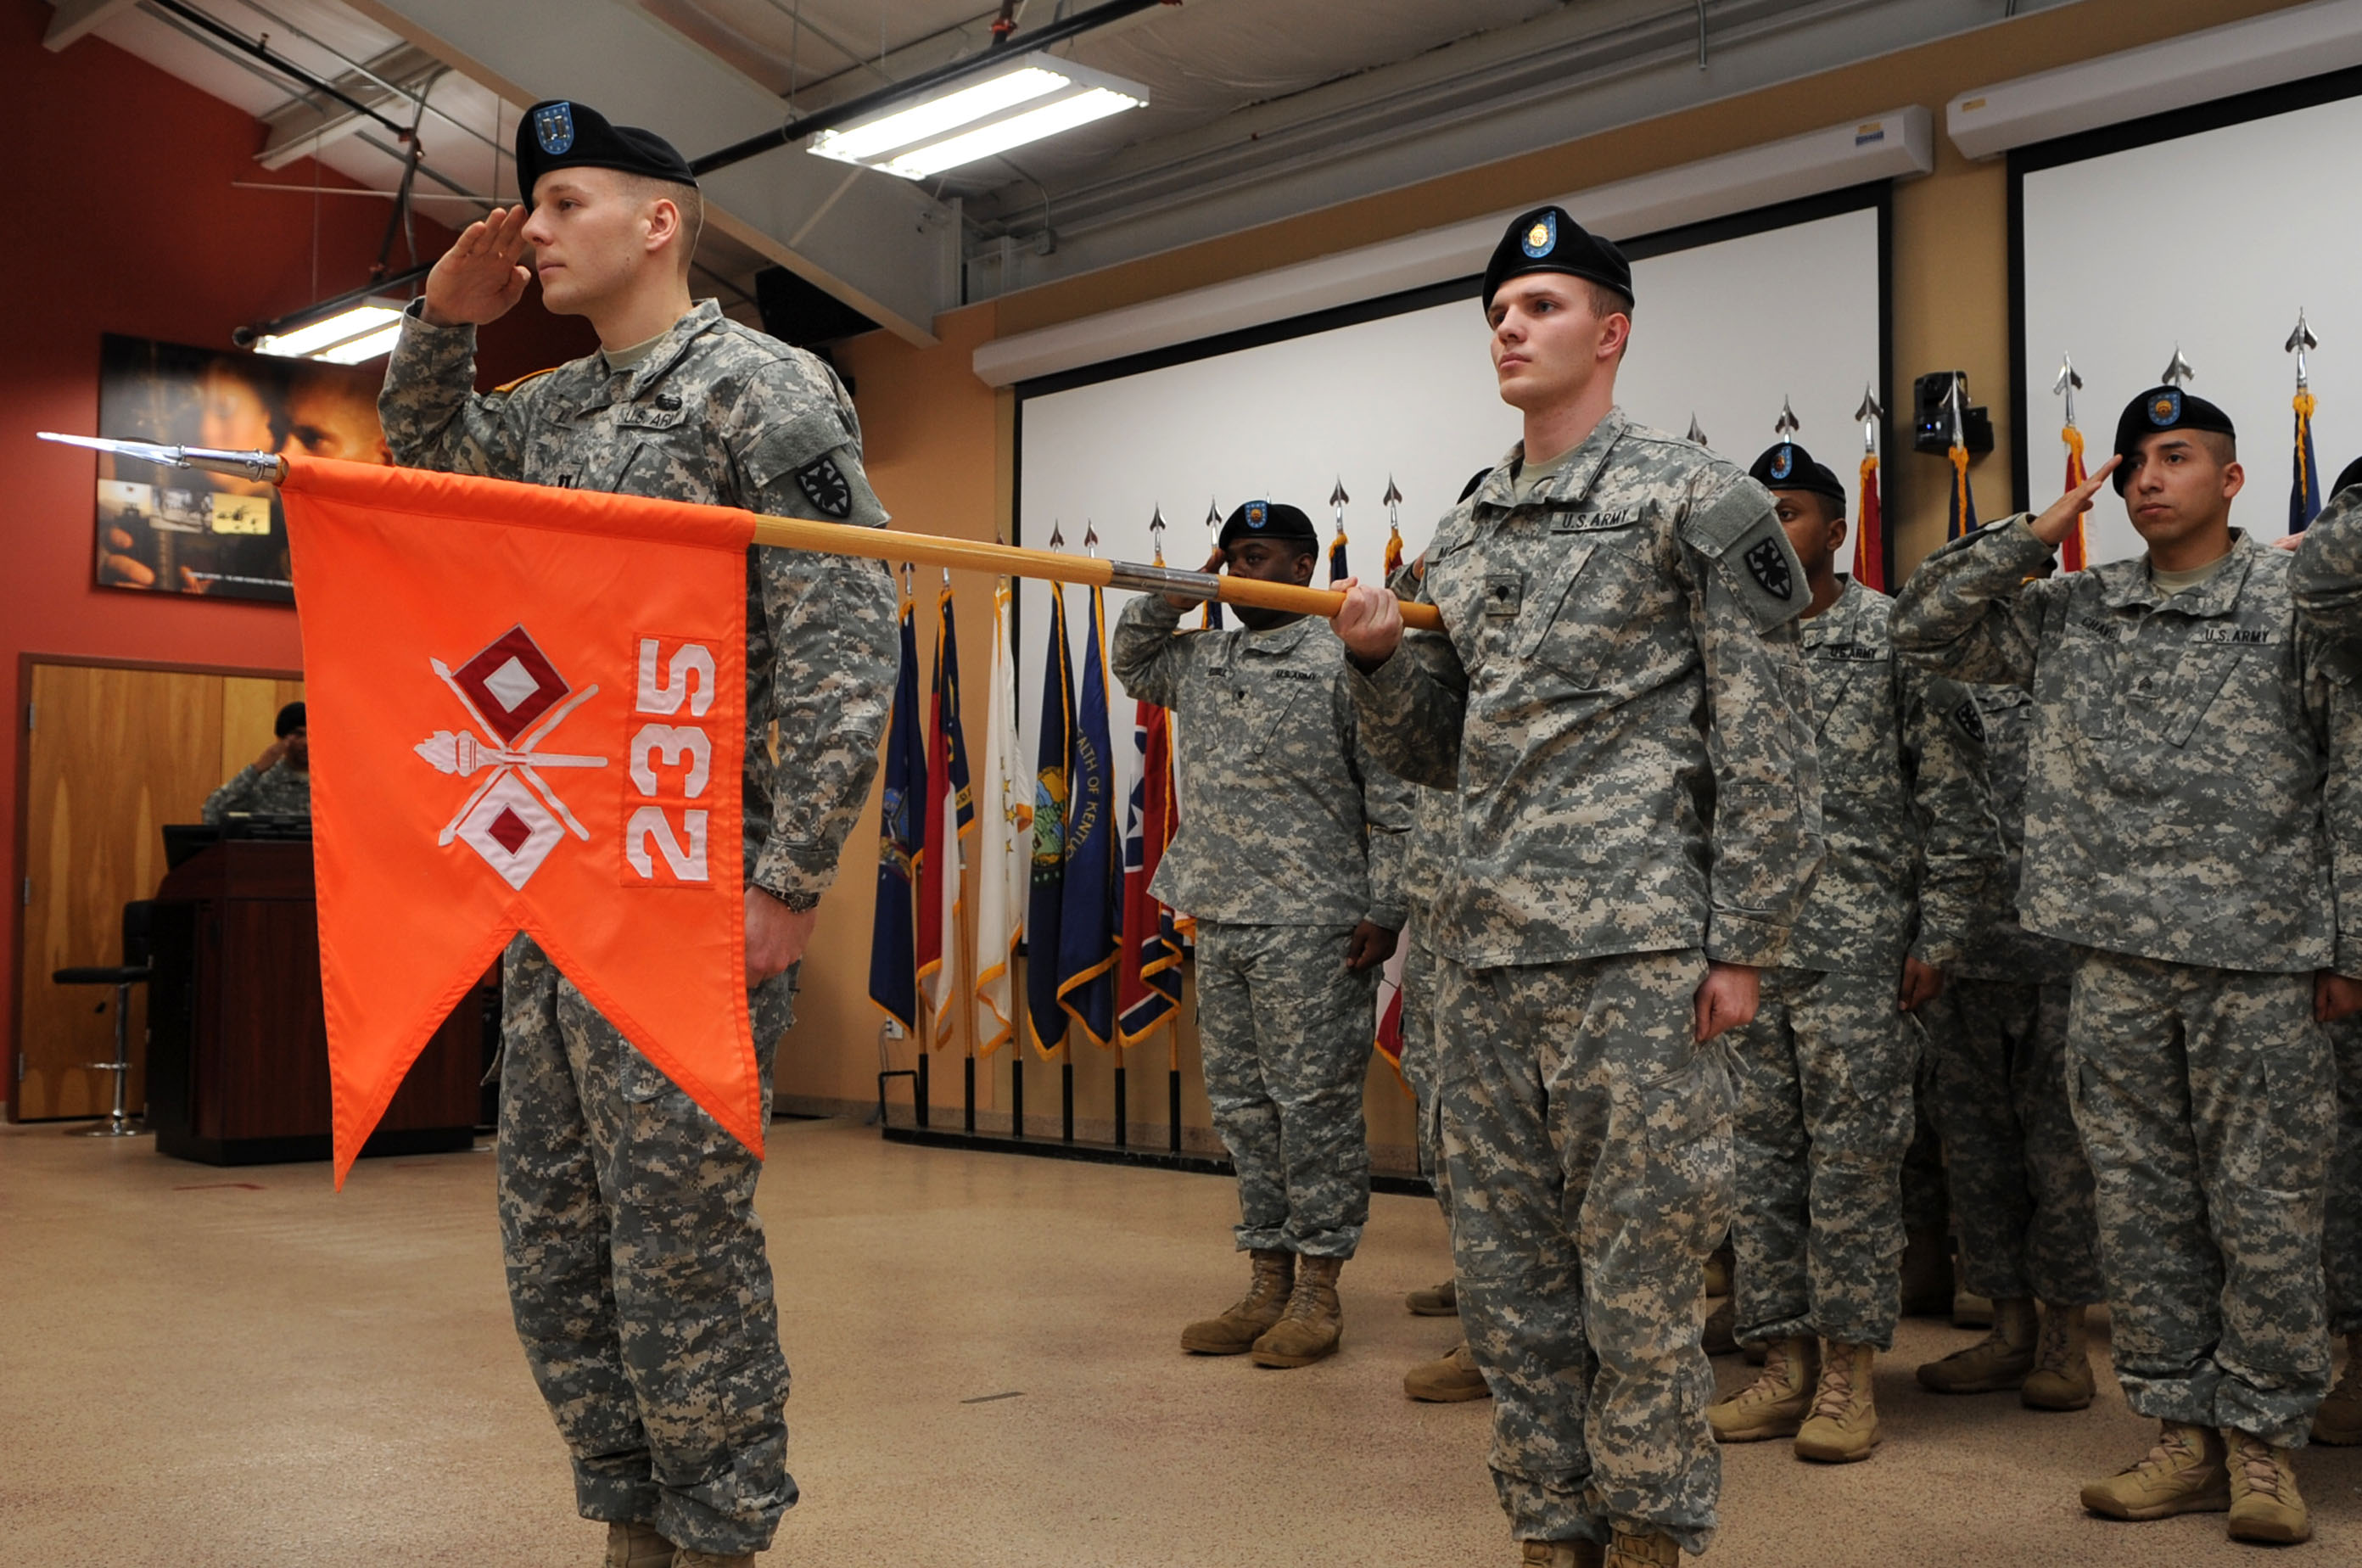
(1452, 1376)
(276, 784)
(2021, 1187)
(2326, 580)
(1615, 697)
(2188, 825)
(1826, 1070)
(1290, 856)
(635, 1263)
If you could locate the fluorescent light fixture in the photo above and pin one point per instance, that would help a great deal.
(1037, 95)
(358, 332)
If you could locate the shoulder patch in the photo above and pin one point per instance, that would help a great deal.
(1768, 564)
(1712, 528)
(506, 387)
(1971, 719)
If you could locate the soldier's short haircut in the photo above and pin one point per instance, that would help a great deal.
(1607, 302)
(686, 200)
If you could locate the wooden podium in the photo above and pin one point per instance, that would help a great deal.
(237, 1054)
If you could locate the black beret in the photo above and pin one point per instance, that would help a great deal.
(559, 135)
(2350, 475)
(290, 720)
(2163, 408)
(1267, 520)
(1547, 240)
(1789, 467)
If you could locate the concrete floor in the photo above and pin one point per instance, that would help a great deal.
(245, 1368)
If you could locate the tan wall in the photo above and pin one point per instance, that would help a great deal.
(939, 442)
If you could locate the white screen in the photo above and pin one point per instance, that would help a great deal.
(2212, 242)
(1722, 331)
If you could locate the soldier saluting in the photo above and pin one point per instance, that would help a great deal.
(2188, 823)
(1639, 818)
(636, 1262)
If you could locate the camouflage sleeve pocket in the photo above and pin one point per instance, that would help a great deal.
(1741, 534)
(810, 466)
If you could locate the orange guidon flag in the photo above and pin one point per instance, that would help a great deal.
(528, 707)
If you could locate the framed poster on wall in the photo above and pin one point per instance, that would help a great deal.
(169, 531)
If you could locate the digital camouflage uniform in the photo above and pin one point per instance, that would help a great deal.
(2188, 822)
(2325, 580)
(277, 791)
(1827, 1070)
(1611, 841)
(1289, 838)
(2021, 1187)
(1435, 825)
(635, 1260)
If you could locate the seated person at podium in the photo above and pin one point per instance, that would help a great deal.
(276, 784)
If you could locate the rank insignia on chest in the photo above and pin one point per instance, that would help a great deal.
(553, 127)
(826, 485)
(1769, 566)
(1971, 721)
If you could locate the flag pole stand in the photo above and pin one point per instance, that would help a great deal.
(1017, 1089)
(1122, 1136)
(969, 1065)
(918, 1088)
(1066, 1097)
(1173, 1106)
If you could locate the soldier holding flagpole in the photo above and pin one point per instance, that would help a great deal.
(635, 1263)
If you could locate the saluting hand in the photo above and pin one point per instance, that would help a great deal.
(1370, 624)
(479, 278)
(2058, 521)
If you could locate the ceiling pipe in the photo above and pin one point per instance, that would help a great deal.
(795, 131)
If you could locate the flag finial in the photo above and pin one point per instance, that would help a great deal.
(1697, 431)
(1392, 499)
(1868, 415)
(1953, 407)
(1787, 424)
(1157, 532)
(1338, 497)
(1090, 538)
(2177, 370)
(1057, 535)
(2069, 383)
(2301, 343)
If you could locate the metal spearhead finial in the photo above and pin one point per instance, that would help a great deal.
(1392, 500)
(1697, 431)
(1952, 406)
(1867, 416)
(2301, 342)
(1090, 539)
(1213, 516)
(1156, 532)
(2177, 370)
(2069, 383)
(206, 459)
(1057, 535)
(1338, 498)
(1787, 424)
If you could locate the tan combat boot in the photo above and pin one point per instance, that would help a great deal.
(2339, 1420)
(637, 1546)
(2264, 1502)
(1449, 1379)
(1843, 1426)
(2061, 1378)
(692, 1558)
(2001, 1360)
(1236, 1331)
(1970, 1310)
(2182, 1475)
(1561, 1554)
(1313, 1323)
(1776, 1403)
(1652, 1551)
(1436, 1301)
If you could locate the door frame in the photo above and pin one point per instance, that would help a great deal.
(26, 663)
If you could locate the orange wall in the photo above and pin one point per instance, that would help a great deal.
(130, 226)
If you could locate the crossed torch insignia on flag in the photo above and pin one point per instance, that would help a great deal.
(517, 699)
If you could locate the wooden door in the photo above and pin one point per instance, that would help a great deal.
(114, 754)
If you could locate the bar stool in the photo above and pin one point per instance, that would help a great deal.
(133, 971)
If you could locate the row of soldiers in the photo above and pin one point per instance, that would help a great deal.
(1716, 865)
